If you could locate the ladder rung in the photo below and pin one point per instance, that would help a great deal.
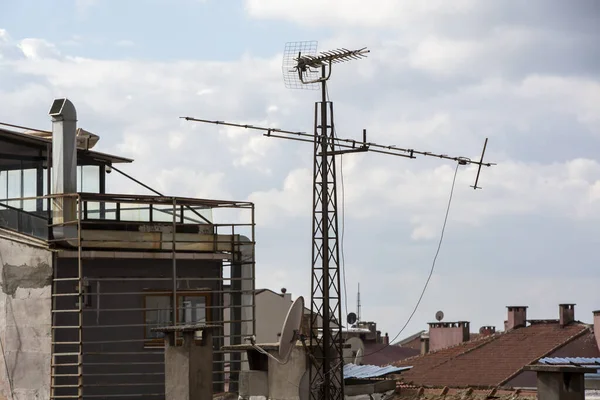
(73, 396)
(64, 294)
(71, 343)
(65, 311)
(62, 375)
(67, 365)
(66, 327)
(66, 354)
(66, 386)
(65, 279)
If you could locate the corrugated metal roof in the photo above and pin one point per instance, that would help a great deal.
(370, 371)
(579, 361)
(570, 360)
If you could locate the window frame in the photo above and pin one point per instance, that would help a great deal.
(159, 342)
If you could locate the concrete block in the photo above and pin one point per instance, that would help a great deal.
(254, 383)
(284, 380)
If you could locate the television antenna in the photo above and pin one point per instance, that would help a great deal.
(301, 65)
(358, 304)
(290, 333)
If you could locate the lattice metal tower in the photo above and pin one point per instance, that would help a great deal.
(303, 68)
(326, 369)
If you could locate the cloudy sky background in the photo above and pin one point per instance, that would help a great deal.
(442, 76)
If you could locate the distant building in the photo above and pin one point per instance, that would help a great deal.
(497, 359)
(378, 350)
(413, 341)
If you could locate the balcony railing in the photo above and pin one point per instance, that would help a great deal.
(113, 208)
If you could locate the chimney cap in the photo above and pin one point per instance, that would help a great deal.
(283, 290)
(596, 312)
(567, 304)
(517, 306)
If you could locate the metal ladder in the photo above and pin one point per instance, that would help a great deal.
(66, 378)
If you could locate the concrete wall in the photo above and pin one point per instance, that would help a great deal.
(284, 380)
(25, 318)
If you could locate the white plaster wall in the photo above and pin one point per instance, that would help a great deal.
(271, 309)
(25, 320)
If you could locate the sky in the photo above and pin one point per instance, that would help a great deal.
(441, 77)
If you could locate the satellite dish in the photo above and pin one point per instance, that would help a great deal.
(289, 333)
(357, 349)
(439, 315)
(359, 357)
(351, 318)
(291, 329)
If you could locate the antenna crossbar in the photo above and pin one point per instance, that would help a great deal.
(351, 145)
(330, 57)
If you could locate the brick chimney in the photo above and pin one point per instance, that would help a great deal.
(566, 313)
(597, 327)
(424, 343)
(446, 334)
(386, 339)
(517, 317)
(487, 330)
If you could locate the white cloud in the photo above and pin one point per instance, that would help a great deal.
(354, 12)
(38, 49)
(442, 76)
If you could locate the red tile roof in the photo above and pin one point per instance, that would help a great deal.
(381, 354)
(489, 361)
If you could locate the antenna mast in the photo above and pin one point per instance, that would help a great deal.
(304, 69)
(358, 305)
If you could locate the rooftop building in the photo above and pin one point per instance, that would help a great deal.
(87, 274)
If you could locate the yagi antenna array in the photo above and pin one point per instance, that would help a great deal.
(302, 65)
(352, 145)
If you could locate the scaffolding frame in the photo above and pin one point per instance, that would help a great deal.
(122, 366)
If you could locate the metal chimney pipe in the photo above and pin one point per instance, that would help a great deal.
(64, 162)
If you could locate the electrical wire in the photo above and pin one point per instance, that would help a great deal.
(430, 271)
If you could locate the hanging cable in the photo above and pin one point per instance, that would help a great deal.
(430, 271)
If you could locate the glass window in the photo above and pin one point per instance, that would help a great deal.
(14, 188)
(3, 185)
(29, 189)
(158, 313)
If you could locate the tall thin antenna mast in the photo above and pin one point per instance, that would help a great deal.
(301, 67)
(358, 305)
